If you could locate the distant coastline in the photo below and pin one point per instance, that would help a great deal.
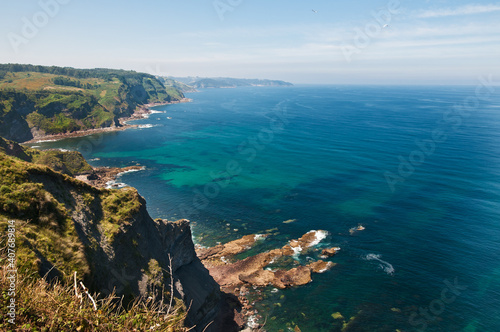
(226, 82)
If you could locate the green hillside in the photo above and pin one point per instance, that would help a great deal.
(63, 226)
(169, 82)
(39, 100)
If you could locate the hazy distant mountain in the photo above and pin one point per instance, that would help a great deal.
(226, 82)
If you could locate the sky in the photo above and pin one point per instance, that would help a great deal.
(303, 42)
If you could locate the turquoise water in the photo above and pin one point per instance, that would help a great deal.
(421, 175)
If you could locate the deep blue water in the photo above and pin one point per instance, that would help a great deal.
(413, 166)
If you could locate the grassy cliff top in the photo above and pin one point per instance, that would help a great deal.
(38, 188)
(67, 162)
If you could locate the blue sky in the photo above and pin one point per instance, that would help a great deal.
(351, 42)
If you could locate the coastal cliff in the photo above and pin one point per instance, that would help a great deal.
(36, 101)
(106, 236)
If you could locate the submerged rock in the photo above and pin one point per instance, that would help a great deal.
(251, 271)
(337, 315)
(229, 249)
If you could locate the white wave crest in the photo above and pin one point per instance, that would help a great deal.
(385, 266)
(328, 265)
(320, 236)
(253, 322)
(146, 126)
(46, 140)
(131, 171)
(296, 250)
(259, 237)
(115, 185)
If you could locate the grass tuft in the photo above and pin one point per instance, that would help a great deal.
(43, 306)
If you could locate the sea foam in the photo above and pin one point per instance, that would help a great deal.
(296, 250)
(385, 266)
(46, 140)
(115, 185)
(259, 237)
(146, 126)
(320, 236)
(131, 171)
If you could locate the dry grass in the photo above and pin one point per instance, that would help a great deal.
(40, 81)
(41, 306)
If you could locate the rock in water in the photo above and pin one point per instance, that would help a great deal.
(329, 252)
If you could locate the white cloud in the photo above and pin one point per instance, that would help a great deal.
(465, 10)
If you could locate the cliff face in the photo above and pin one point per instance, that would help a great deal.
(14, 126)
(137, 263)
(105, 235)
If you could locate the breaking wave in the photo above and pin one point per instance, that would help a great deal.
(385, 266)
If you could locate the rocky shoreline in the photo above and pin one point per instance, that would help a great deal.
(240, 277)
(140, 113)
(101, 177)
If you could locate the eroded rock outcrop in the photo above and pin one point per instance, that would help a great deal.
(329, 252)
(251, 270)
(237, 277)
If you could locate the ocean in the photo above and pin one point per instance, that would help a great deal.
(417, 166)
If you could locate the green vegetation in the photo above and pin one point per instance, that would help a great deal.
(21, 198)
(54, 100)
(41, 306)
(45, 205)
(175, 86)
(68, 162)
(119, 206)
(61, 80)
(155, 273)
(46, 198)
(48, 234)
